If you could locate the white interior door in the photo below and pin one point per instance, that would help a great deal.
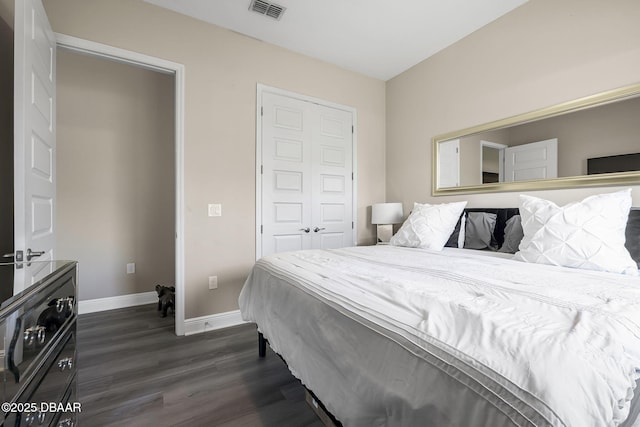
(307, 175)
(35, 138)
(449, 163)
(537, 160)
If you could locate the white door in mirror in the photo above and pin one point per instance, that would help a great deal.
(449, 155)
(537, 160)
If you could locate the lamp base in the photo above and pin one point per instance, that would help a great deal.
(385, 231)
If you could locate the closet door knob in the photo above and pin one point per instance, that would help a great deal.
(306, 230)
(318, 229)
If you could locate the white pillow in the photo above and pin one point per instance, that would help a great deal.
(429, 226)
(589, 234)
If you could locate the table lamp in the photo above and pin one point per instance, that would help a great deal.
(384, 215)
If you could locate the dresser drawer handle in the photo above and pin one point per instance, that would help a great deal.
(66, 363)
(33, 334)
(67, 422)
(64, 303)
(29, 418)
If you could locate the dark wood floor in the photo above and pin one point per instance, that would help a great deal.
(134, 371)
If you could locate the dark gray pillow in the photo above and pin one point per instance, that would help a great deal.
(478, 233)
(632, 235)
(513, 234)
(455, 236)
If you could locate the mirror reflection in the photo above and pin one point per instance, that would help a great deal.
(600, 139)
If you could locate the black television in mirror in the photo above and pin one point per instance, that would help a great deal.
(618, 163)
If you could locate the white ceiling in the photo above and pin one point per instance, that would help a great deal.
(378, 38)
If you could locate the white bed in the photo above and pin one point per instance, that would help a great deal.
(392, 336)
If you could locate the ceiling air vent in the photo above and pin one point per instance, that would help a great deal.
(266, 8)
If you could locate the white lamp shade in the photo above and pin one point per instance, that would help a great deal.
(386, 213)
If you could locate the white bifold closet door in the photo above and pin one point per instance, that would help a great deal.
(307, 175)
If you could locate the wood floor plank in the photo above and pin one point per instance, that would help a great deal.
(133, 370)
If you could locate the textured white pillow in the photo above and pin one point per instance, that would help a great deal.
(589, 234)
(429, 226)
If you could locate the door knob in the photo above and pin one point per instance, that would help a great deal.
(33, 254)
(318, 229)
(306, 230)
(17, 256)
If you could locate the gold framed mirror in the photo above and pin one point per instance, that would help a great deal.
(592, 141)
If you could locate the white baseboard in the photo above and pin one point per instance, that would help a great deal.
(197, 325)
(121, 301)
(192, 326)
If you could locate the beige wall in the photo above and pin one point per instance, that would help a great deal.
(469, 161)
(115, 171)
(542, 53)
(490, 159)
(470, 150)
(222, 69)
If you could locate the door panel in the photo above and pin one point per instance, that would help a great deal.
(286, 174)
(291, 242)
(331, 240)
(536, 160)
(332, 184)
(35, 133)
(287, 181)
(332, 212)
(333, 180)
(288, 149)
(288, 118)
(307, 183)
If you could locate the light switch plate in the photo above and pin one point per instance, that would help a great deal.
(213, 282)
(215, 209)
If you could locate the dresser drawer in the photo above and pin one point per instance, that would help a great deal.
(33, 327)
(68, 418)
(53, 382)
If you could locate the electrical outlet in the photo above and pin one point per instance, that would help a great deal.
(213, 282)
(131, 268)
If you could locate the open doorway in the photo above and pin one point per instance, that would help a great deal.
(491, 162)
(115, 176)
(172, 189)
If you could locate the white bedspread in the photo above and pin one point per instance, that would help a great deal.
(396, 336)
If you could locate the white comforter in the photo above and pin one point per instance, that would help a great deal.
(397, 336)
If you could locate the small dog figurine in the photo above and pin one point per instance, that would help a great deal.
(166, 299)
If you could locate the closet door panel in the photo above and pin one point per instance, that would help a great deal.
(286, 174)
(333, 179)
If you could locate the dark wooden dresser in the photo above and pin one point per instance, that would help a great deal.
(38, 351)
